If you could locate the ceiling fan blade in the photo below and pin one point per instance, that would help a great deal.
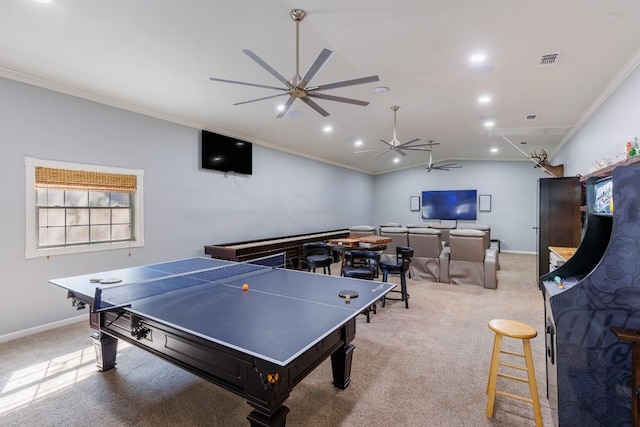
(411, 148)
(391, 146)
(315, 67)
(247, 84)
(422, 145)
(315, 106)
(260, 99)
(337, 98)
(384, 152)
(269, 69)
(368, 151)
(282, 113)
(345, 83)
(402, 153)
(405, 144)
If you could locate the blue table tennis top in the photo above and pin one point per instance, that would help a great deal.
(284, 312)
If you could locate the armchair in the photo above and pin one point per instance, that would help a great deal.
(427, 247)
(399, 236)
(470, 262)
(362, 230)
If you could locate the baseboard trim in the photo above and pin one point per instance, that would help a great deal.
(517, 252)
(42, 328)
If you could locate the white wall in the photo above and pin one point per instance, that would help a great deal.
(185, 207)
(612, 125)
(512, 186)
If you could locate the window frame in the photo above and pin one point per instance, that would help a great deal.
(33, 251)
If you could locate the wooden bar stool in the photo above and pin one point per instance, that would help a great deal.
(524, 332)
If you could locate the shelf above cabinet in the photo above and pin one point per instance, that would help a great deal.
(606, 171)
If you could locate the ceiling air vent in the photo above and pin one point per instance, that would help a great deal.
(530, 117)
(549, 59)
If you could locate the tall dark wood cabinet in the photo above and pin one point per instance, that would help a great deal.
(559, 223)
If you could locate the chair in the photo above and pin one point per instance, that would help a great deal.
(470, 262)
(487, 238)
(481, 227)
(316, 255)
(445, 229)
(361, 264)
(399, 236)
(427, 247)
(362, 230)
(419, 225)
(517, 330)
(398, 266)
(387, 225)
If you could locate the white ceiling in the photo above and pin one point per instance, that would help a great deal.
(156, 57)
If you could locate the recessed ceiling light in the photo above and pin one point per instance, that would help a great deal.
(484, 99)
(494, 149)
(358, 142)
(396, 160)
(280, 107)
(489, 124)
(327, 129)
(479, 57)
(381, 89)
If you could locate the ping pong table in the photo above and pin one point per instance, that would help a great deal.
(258, 342)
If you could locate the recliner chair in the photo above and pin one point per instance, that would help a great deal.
(427, 250)
(362, 230)
(470, 262)
(399, 236)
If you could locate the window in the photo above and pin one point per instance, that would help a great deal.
(75, 208)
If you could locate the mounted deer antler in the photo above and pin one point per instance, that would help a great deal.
(541, 162)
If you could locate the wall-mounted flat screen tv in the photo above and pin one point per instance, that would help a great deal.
(449, 204)
(226, 154)
(603, 197)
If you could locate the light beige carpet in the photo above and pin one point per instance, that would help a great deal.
(425, 366)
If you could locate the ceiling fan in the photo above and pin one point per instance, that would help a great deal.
(298, 87)
(445, 167)
(401, 147)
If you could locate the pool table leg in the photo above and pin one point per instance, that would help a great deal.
(276, 419)
(341, 366)
(106, 348)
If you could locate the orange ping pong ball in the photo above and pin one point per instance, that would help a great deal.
(245, 287)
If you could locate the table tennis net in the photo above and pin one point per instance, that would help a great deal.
(123, 295)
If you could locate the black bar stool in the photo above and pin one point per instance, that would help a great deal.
(361, 264)
(316, 255)
(399, 266)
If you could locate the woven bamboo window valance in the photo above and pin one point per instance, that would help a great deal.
(85, 180)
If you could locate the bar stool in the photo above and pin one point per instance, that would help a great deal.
(361, 264)
(524, 332)
(398, 266)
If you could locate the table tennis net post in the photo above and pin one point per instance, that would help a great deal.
(123, 295)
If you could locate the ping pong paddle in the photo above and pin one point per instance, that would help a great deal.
(348, 294)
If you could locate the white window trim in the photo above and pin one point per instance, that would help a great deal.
(32, 250)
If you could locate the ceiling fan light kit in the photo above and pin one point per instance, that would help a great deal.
(298, 87)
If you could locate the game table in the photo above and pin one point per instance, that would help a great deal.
(255, 330)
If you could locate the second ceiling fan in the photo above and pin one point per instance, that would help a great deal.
(401, 147)
(298, 87)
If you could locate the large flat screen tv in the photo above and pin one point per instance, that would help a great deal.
(226, 154)
(449, 204)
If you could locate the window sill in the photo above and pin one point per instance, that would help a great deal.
(96, 247)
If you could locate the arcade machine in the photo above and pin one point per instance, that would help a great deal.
(589, 370)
